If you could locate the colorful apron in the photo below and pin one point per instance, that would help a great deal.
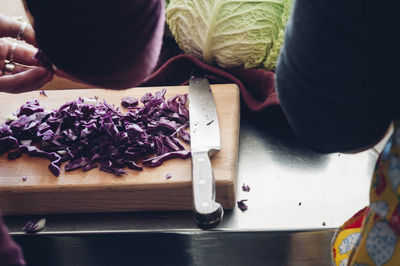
(371, 236)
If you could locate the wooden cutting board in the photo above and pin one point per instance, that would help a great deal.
(97, 191)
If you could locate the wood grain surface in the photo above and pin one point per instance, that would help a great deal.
(97, 191)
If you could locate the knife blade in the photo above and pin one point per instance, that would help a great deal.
(204, 143)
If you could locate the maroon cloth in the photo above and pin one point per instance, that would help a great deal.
(256, 85)
(10, 252)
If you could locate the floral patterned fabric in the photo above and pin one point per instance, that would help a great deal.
(371, 237)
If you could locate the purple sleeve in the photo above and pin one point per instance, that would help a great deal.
(10, 252)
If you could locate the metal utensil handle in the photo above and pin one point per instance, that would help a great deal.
(208, 213)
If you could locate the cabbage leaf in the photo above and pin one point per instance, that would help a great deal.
(230, 33)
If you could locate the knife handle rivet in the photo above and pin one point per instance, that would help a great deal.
(200, 159)
(202, 181)
(204, 204)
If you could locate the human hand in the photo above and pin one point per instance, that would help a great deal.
(19, 69)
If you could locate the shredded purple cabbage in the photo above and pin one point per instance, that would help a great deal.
(245, 188)
(242, 205)
(158, 160)
(34, 226)
(85, 135)
(129, 101)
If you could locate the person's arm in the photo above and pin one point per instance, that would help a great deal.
(336, 77)
(10, 252)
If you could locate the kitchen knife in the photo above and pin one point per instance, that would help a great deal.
(204, 142)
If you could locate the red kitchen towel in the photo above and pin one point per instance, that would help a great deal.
(256, 85)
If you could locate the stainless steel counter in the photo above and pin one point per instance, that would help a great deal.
(296, 200)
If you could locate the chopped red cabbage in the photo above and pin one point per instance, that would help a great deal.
(7, 143)
(34, 226)
(185, 135)
(89, 166)
(129, 101)
(245, 188)
(168, 176)
(5, 131)
(97, 135)
(133, 165)
(77, 163)
(242, 205)
(29, 108)
(157, 161)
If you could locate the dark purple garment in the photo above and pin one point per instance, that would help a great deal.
(10, 252)
(337, 74)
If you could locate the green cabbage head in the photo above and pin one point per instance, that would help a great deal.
(231, 33)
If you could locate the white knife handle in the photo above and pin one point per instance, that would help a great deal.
(208, 213)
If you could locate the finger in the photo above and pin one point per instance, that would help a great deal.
(29, 80)
(20, 53)
(11, 27)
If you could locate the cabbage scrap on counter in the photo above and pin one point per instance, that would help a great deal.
(230, 33)
(88, 134)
